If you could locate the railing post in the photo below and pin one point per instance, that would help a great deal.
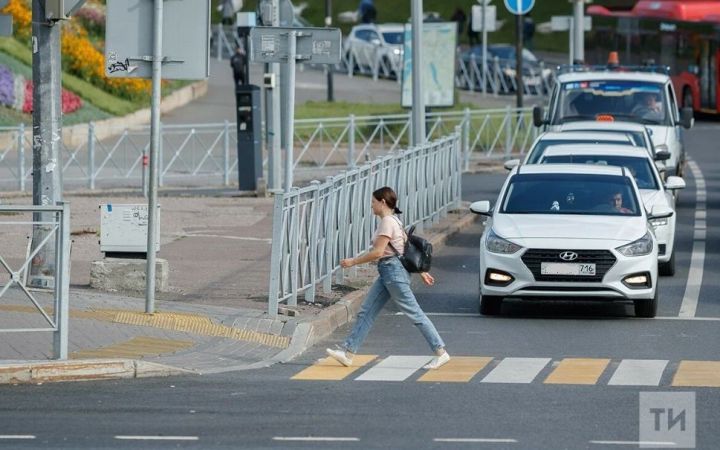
(62, 284)
(276, 254)
(496, 72)
(330, 237)
(312, 241)
(21, 157)
(219, 35)
(466, 139)
(226, 154)
(508, 131)
(91, 155)
(351, 142)
(473, 66)
(456, 176)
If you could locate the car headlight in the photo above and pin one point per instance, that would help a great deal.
(659, 222)
(496, 244)
(509, 72)
(397, 51)
(641, 247)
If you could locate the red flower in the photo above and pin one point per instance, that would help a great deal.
(70, 101)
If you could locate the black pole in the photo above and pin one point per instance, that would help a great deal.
(328, 23)
(519, 60)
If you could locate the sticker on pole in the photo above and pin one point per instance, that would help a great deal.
(519, 7)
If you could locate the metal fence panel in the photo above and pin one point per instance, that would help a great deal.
(314, 227)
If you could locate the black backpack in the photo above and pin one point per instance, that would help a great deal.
(418, 253)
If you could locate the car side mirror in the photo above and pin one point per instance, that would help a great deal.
(660, 212)
(673, 183)
(662, 155)
(510, 164)
(538, 119)
(375, 41)
(686, 118)
(482, 207)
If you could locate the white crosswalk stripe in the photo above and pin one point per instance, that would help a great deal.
(516, 370)
(395, 368)
(638, 372)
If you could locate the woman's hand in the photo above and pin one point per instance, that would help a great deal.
(345, 263)
(427, 278)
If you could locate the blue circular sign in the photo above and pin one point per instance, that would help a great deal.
(519, 6)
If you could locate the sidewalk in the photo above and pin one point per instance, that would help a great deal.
(214, 318)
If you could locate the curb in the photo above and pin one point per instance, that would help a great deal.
(344, 311)
(85, 370)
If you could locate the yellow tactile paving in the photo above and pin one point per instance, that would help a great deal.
(183, 322)
(577, 371)
(460, 369)
(697, 374)
(137, 347)
(327, 369)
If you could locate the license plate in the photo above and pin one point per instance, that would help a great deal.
(567, 269)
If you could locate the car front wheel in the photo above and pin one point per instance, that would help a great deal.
(490, 305)
(646, 308)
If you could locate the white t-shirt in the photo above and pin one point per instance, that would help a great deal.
(390, 226)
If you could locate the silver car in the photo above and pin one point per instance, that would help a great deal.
(375, 45)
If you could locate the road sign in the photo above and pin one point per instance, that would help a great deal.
(61, 9)
(185, 39)
(490, 18)
(519, 7)
(564, 23)
(314, 45)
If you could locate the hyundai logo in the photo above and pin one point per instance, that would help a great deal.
(568, 256)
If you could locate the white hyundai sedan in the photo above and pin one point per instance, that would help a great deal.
(653, 191)
(563, 231)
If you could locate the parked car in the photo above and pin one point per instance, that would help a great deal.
(534, 74)
(556, 232)
(653, 190)
(370, 44)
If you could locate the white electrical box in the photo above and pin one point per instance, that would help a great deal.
(124, 228)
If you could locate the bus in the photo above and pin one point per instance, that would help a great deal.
(683, 35)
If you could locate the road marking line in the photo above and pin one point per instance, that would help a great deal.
(327, 369)
(460, 369)
(157, 438)
(316, 439)
(488, 440)
(395, 368)
(647, 443)
(516, 370)
(689, 304)
(577, 371)
(17, 436)
(638, 372)
(697, 374)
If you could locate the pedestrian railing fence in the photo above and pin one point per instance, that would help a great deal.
(15, 264)
(314, 227)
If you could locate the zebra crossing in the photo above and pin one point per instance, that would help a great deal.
(514, 370)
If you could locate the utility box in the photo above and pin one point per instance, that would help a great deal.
(248, 137)
(124, 230)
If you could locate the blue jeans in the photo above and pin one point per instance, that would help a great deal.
(393, 282)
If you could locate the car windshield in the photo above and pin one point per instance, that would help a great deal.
(639, 167)
(560, 193)
(393, 37)
(539, 149)
(625, 100)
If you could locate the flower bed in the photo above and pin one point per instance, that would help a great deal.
(16, 93)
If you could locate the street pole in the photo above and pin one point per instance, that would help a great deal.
(289, 89)
(328, 23)
(275, 124)
(418, 103)
(484, 49)
(579, 30)
(519, 60)
(47, 136)
(154, 152)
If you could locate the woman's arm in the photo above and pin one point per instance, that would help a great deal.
(375, 253)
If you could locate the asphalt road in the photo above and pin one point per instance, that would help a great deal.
(568, 391)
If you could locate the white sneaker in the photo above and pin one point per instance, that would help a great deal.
(339, 356)
(437, 361)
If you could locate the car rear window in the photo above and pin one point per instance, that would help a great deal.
(559, 193)
(639, 167)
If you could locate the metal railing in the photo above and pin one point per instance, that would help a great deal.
(56, 220)
(206, 154)
(316, 226)
(500, 78)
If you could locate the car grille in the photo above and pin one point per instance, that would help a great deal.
(603, 260)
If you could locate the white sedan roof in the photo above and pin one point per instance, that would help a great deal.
(584, 135)
(612, 75)
(596, 149)
(581, 169)
(585, 125)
